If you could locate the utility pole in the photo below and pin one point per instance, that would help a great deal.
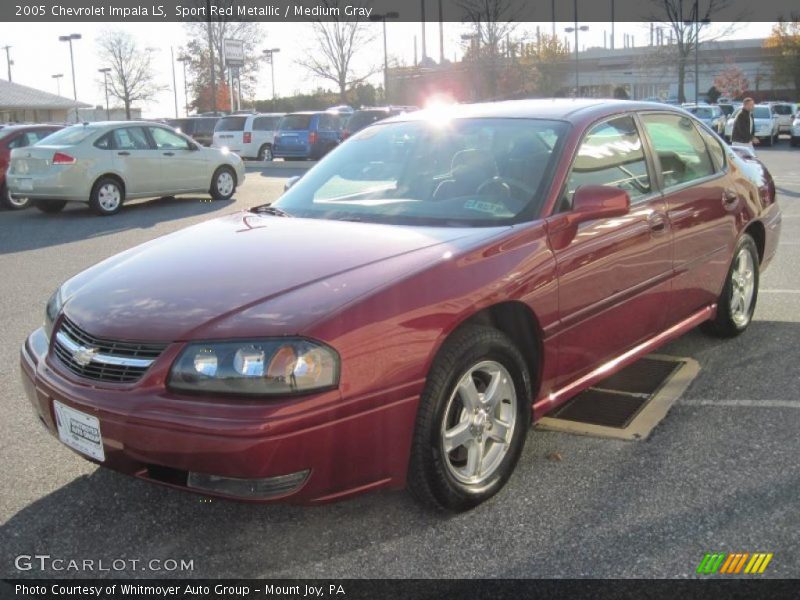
(211, 55)
(696, 48)
(441, 33)
(183, 59)
(57, 77)
(9, 62)
(424, 52)
(105, 71)
(69, 38)
(174, 85)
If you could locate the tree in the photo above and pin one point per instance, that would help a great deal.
(203, 101)
(131, 78)
(785, 40)
(620, 93)
(549, 55)
(197, 50)
(680, 16)
(731, 82)
(337, 41)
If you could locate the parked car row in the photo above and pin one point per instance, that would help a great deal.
(767, 124)
(105, 163)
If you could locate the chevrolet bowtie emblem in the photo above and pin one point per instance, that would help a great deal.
(83, 356)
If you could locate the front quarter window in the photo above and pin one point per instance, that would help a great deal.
(461, 172)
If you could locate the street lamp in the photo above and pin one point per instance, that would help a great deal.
(58, 77)
(9, 62)
(105, 71)
(69, 38)
(383, 17)
(576, 29)
(184, 59)
(271, 60)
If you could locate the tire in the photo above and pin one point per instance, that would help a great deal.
(449, 480)
(768, 141)
(12, 203)
(794, 141)
(50, 206)
(265, 153)
(223, 184)
(107, 196)
(743, 279)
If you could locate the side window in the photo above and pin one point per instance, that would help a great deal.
(715, 148)
(323, 123)
(104, 143)
(611, 154)
(265, 123)
(168, 140)
(130, 138)
(681, 152)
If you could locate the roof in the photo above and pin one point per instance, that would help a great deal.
(16, 96)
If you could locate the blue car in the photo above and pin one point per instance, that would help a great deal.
(307, 135)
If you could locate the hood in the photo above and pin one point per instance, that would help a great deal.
(173, 287)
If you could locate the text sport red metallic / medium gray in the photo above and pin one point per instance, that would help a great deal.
(406, 310)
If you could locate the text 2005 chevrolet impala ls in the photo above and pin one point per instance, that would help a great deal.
(406, 310)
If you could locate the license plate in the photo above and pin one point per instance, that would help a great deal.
(25, 185)
(79, 431)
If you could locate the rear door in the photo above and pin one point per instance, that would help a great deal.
(293, 134)
(229, 132)
(614, 274)
(135, 157)
(701, 204)
(264, 129)
(182, 167)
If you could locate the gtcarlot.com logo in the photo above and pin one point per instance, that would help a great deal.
(734, 563)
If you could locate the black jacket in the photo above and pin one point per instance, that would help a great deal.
(743, 127)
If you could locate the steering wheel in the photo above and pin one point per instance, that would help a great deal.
(523, 187)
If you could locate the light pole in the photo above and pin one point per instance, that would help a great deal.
(270, 54)
(174, 85)
(69, 38)
(184, 59)
(576, 29)
(383, 17)
(9, 62)
(58, 77)
(105, 71)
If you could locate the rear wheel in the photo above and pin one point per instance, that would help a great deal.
(265, 153)
(737, 302)
(107, 196)
(223, 184)
(50, 206)
(768, 141)
(10, 202)
(472, 421)
(794, 141)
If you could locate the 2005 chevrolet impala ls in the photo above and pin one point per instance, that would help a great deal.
(405, 311)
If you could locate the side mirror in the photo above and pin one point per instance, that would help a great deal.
(193, 147)
(592, 202)
(290, 182)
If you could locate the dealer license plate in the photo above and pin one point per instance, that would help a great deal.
(79, 431)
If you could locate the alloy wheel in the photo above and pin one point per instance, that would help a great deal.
(742, 287)
(225, 183)
(109, 197)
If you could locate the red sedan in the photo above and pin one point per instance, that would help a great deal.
(18, 136)
(410, 306)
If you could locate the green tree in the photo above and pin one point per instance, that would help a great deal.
(785, 41)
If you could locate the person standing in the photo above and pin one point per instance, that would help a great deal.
(744, 127)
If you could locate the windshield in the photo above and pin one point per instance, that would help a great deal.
(231, 124)
(782, 109)
(69, 136)
(761, 112)
(466, 172)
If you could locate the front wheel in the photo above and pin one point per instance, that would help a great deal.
(737, 302)
(265, 153)
(472, 420)
(223, 184)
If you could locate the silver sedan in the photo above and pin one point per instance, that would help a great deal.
(103, 164)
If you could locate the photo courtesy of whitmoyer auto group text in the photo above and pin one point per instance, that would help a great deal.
(399, 299)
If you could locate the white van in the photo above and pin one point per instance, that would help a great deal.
(249, 136)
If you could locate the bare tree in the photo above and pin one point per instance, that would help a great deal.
(491, 23)
(131, 78)
(337, 41)
(687, 20)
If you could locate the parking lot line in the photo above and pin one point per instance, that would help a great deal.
(740, 403)
(779, 291)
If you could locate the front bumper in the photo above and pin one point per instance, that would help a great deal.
(340, 447)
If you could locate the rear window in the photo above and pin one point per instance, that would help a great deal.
(231, 124)
(184, 125)
(782, 109)
(365, 117)
(69, 136)
(295, 122)
(761, 112)
(204, 125)
(265, 123)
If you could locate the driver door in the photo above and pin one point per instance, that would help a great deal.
(614, 275)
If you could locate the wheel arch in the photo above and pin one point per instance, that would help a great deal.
(109, 175)
(757, 231)
(228, 166)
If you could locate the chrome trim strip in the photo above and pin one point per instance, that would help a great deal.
(104, 359)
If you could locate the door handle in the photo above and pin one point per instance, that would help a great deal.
(169, 154)
(657, 222)
(729, 197)
(124, 153)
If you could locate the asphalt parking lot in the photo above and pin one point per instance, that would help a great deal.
(719, 474)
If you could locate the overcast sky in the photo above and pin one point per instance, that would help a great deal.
(37, 53)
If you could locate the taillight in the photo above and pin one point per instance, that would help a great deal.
(312, 137)
(345, 134)
(59, 158)
(247, 137)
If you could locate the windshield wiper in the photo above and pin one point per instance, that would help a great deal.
(268, 209)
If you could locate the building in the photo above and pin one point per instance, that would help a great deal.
(98, 113)
(643, 72)
(23, 104)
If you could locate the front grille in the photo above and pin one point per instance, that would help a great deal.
(101, 359)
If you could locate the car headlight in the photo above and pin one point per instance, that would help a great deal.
(51, 311)
(269, 367)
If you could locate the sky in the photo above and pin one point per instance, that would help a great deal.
(37, 53)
